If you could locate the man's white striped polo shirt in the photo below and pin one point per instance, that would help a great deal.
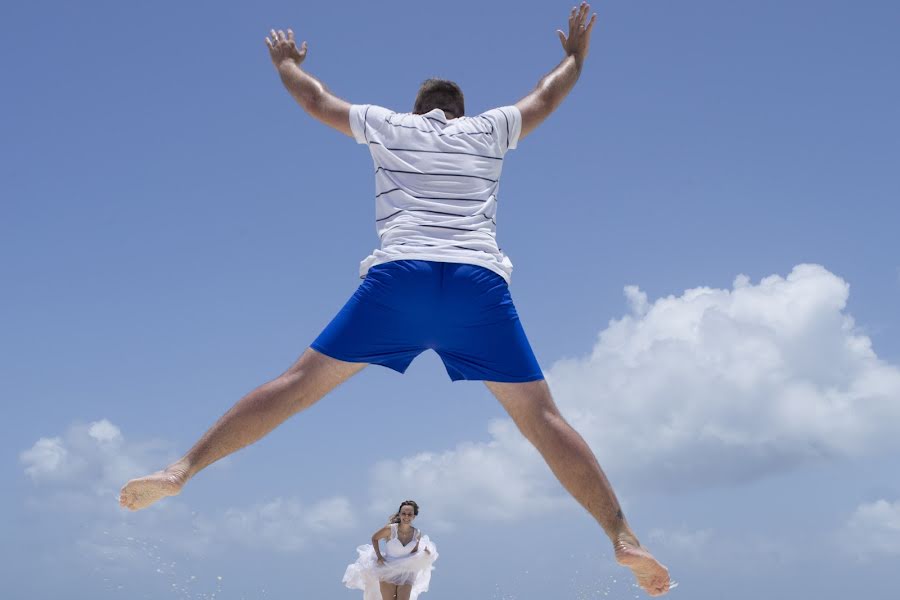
(437, 182)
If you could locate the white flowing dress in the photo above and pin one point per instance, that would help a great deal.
(401, 566)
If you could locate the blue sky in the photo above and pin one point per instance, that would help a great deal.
(176, 230)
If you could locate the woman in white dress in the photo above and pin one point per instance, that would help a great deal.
(403, 571)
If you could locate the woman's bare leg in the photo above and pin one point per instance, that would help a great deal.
(388, 590)
(532, 408)
(254, 415)
(403, 592)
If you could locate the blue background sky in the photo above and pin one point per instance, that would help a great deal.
(176, 230)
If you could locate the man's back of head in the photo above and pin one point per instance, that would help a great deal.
(442, 94)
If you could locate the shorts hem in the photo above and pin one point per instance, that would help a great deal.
(337, 356)
(501, 379)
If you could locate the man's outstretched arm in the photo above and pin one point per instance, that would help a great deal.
(309, 92)
(556, 85)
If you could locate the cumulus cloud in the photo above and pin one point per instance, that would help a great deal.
(500, 480)
(81, 472)
(873, 529)
(46, 459)
(91, 458)
(711, 387)
(283, 524)
(719, 386)
(735, 551)
(105, 432)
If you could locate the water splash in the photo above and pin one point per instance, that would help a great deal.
(178, 578)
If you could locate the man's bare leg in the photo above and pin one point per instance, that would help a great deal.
(254, 415)
(532, 408)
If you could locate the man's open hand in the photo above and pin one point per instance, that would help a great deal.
(579, 40)
(283, 48)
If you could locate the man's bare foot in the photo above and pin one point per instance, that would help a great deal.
(144, 491)
(651, 575)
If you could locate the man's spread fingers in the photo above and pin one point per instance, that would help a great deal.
(290, 36)
(591, 24)
(269, 44)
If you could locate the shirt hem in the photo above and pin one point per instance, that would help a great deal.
(436, 258)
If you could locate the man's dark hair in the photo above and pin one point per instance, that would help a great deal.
(442, 94)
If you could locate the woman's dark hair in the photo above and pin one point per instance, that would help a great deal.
(442, 94)
(395, 518)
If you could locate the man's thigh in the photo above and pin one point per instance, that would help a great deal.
(317, 374)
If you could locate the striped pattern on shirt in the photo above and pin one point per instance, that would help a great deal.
(437, 182)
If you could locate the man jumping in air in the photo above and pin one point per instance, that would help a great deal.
(439, 281)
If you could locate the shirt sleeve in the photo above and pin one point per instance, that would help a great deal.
(507, 125)
(366, 119)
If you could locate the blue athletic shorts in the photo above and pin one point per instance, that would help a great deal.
(463, 312)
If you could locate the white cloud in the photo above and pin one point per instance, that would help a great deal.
(92, 459)
(501, 480)
(873, 529)
(711, 387)
(81, 472)
(717, 386)
(45, 460)
(733, 550)
(283, 524)
(105, 432)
